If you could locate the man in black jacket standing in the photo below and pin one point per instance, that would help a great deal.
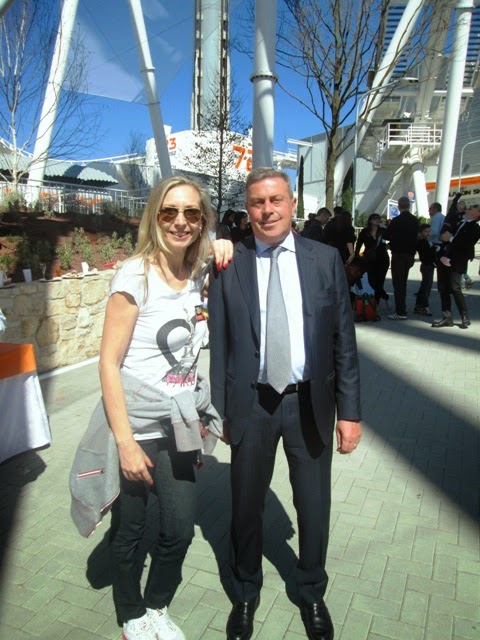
(402, 233)
(315, 229)
(449, 276)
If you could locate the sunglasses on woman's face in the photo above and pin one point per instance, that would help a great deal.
(168, 214)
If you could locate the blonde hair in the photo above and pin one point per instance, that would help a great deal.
(151, 241)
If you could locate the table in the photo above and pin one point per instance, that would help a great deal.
(23, 419)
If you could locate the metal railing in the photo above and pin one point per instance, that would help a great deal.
(69, 198)
(399, 134)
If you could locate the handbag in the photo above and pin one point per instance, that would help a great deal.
(365, 308)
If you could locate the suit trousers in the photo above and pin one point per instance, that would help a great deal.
(291, 418)
(450, 282)
(175, 486)
(401, 265)
(423, 295)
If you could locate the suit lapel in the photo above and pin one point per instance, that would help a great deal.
(246, 268)
(306, 272)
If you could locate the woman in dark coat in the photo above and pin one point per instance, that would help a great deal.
(373, 250)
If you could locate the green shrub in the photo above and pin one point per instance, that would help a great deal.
(7, 262)
(128, 243)
(44, 250)
(65, 254)
(107, 249)
(78, 235)
(86, 251)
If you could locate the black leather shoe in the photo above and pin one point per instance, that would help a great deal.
(240, 620)
(465, 321)
(317, 621)
(444, 322)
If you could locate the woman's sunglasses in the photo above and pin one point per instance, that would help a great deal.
(168, 214)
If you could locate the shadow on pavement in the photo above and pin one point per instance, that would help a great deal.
(213, 518)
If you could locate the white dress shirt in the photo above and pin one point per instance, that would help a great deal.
(292, 295)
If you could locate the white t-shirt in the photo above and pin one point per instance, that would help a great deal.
(169, 331)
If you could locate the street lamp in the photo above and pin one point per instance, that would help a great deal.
(461, 162)
(374, 90)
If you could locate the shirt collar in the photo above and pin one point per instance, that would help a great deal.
(287, 243)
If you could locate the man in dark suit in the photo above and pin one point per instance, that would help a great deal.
(282, 377)
(402, 234)
(461, 245)
(314, 231)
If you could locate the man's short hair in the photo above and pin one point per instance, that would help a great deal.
(263, 173)
(422, 227)
(324, 210)
(436, 206)
(403, 203)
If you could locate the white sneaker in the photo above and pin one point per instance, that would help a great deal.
(139, 629)
(163, 625)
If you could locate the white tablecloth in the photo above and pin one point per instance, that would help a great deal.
(23, 419)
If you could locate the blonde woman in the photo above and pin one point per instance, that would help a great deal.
(154, 328)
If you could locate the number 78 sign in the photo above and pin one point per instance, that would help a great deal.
(244, 160)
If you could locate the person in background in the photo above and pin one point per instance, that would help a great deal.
(402, 233)
(437, 220)
(224, 228)
(308, 221)
(339, 233)
(315, 230)
(449, 275)
(240, 231)
(426, 253)
(151, 340)
(373, 249)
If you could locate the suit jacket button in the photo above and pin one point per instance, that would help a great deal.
(253, 384)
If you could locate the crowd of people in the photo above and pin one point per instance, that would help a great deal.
(283, 365)
(444, 246)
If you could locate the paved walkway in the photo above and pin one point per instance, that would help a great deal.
(404, 547)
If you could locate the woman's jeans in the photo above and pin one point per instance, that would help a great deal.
(174, 485)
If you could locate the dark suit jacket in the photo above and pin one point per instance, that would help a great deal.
(329, 335)
(402, 233)
(463, 246)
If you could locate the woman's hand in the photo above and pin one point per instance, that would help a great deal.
(134, 462)
(222, 253)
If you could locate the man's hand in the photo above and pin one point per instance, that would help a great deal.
(348, 434)
(134, 462)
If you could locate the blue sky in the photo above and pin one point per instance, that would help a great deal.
(114, 70)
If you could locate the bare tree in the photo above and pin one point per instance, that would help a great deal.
(219, 143)
(334, 46)
(132, 168)
(28, 31)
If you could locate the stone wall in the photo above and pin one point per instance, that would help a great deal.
(63, 319)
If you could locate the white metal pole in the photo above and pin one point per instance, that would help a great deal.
(52, 94)
(4, 4)
(419, 184)
(148, 73)
(264, 80)
(382, 77)
(464, 10)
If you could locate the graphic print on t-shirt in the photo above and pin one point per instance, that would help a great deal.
(182, 373)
